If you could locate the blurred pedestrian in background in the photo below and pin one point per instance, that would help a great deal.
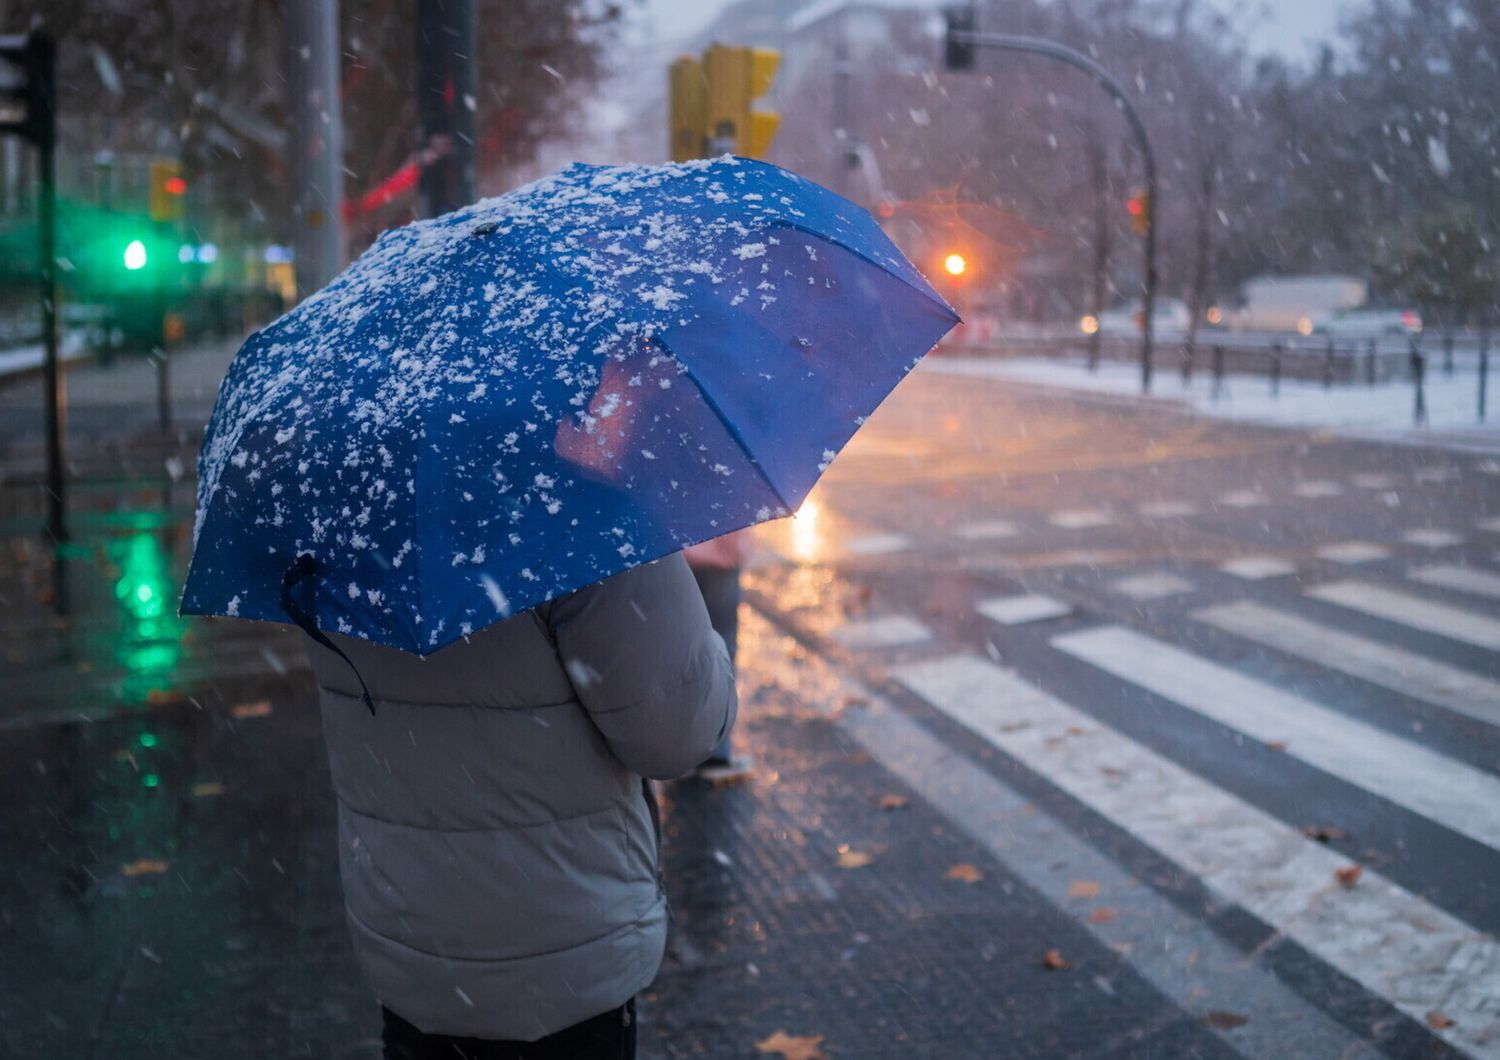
(716, 565)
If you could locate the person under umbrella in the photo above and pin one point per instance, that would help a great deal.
(467, 469)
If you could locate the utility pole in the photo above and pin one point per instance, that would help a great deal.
(446, 41)
(844, 157)
(317, 142)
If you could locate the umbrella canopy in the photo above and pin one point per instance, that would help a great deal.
(504, 404)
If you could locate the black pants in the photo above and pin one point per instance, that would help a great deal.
(607, 1036)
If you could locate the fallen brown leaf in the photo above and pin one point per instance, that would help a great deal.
(1323, 833)
(1103, 915)
(1083, 889)
(792, 1047)
(965, 872)
(1053, 960)
(892, 802)
(1437, 1021)
(206, 788)
(1349, 875)
(144, 867)
(1276, 745)
(258, 709)
(1225, 1021)
(853, 859)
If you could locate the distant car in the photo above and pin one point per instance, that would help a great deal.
(1352, 325)
(1168, 315)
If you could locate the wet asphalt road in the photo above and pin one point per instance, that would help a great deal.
(904, 875)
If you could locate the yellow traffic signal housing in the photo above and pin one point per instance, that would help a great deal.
(688, 88)
(736, 78)
(168, 192)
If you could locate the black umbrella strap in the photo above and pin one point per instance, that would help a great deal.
(306, 567)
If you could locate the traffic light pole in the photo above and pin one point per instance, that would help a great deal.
(1053, 50)
(446, 41)
(56, 498)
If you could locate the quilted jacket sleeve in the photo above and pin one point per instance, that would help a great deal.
(647, 666)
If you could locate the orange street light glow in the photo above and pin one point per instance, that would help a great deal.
(955, 264)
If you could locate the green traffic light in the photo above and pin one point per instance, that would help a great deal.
(148, 739)
(135, 255)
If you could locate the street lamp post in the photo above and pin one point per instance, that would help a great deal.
(960, 35)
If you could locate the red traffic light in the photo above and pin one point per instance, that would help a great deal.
(174, 186)
(1135, 207)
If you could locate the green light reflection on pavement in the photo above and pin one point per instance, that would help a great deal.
(150, 639)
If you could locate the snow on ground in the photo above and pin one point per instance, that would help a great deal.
(1381, 411)
(26, 358)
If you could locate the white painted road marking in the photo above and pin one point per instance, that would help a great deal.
(1317, 488)
(986, 531)
(1432, 538)
(1353, 552)
(1455, 623)
(1395, 668)
(1152, 586)
(1393, 943)
(1080, 518)
(1167, 509)
(1460, 579)
(1255, 568)
(877, 544)
(1444, 790)
(1243, 499)
(1492, 525)
(1016, 610)
(888, 632)
(1373, 482)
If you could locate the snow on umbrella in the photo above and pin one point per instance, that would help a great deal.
(504, 404)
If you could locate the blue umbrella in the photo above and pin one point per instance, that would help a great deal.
(504, 404)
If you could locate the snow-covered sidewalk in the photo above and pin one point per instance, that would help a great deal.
(27, 358)
(1382, 411)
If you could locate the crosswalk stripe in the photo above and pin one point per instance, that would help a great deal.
(1459, 579)
(1018, 610)
(1156, 586)
(877, 544)
(1455, 623)
(1167, 509)
(988, 530)
(1353, 552)
(1314, 488)
(889, 631)
(1080, 518)
(1256, 568)
(1390, 667)
(1198, 970)
(1454, 795)
(1431, 537)
(1393, 943)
